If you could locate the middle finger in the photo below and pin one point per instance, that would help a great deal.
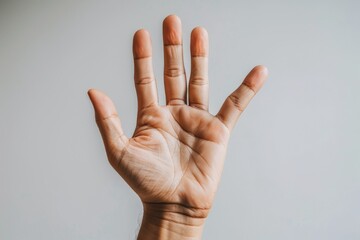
(174, 71)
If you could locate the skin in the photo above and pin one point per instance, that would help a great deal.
(175, 157)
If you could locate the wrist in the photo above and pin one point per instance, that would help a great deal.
(172, 221)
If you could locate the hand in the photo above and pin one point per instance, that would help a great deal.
(175, 157)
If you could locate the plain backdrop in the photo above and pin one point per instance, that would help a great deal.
(293, 164)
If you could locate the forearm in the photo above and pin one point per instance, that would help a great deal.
(171, 221)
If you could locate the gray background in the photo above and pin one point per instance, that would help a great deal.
(292, 169)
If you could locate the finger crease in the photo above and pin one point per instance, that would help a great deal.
(114, 115)
(245, 84)
(174, 72)
(200, 81)
(200, 106)
(174, 44)
(236, 101)
(137, 58)
(144, 80)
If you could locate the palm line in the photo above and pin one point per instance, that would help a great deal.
(162, 132)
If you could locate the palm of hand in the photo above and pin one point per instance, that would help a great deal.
(177, 151)
(175, 156)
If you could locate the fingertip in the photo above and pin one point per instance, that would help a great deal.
(171, 19)
(199, 31)
(94, 93)
(199, 43)
(142, 44)
(256, 78)
(262, 74)
(102, 104)
(90, 92)
(261, 69)
(172, 30)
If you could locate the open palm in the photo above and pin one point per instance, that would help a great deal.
(177, 151)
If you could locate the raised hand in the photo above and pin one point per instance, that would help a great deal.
(175, 157)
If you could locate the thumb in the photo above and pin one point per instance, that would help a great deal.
(109, 124)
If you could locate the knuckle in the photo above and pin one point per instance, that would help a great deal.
(174, 71)
(99, 120)
(249, 86)
(144, 80)
(235, 100)
(199, 81)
